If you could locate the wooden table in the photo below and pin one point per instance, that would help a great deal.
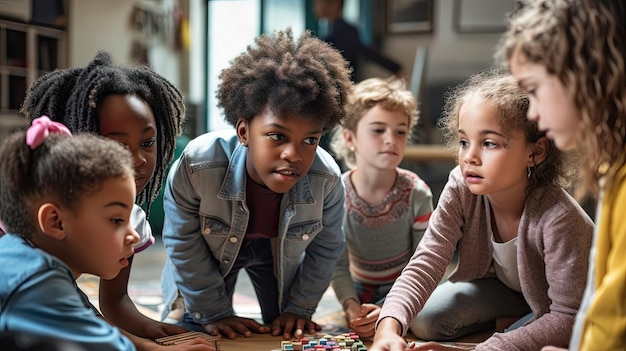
(429, 152)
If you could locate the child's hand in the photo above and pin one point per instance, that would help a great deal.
(160, 330)
(365, 322)
(231, 326)
(287, 323)
(387, 337)
(389, 342)
(352, 309)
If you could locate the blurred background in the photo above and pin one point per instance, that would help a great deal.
(437, 44)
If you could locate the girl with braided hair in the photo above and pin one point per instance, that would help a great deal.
(77, 97)
(141, 110)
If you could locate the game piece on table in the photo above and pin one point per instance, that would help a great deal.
(184, 337)
(343, 342)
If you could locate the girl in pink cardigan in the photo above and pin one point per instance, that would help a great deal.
(522, 241)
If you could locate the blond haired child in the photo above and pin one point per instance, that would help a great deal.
(387, 207)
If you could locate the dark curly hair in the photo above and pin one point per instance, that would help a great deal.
(71, 96)
(498, 87)
(582, 42)
(64, 169)
(306, 77)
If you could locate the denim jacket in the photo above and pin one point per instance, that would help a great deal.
(206, 217)
(38, 295)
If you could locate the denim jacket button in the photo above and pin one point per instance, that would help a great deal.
(207, 231)
(197, 315)
(305, 237)
(233, 239)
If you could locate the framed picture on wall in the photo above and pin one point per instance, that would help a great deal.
(481, 16)
(409, 16)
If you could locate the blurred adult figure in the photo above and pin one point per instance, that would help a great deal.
(345, 37)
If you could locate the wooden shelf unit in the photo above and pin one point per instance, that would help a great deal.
(26, 52)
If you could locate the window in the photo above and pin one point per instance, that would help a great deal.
(232, 26)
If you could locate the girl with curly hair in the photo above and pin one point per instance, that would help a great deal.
(569, 56)
(522, 240)
(66, 203)
(142, 110)
(262, 197)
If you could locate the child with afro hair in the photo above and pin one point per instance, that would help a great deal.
(262, 197)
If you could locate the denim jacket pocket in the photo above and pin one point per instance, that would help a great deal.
(299, 236)
(215, 233)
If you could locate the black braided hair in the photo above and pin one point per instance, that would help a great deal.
(71, 96)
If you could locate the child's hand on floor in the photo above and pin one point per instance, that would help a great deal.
(287, 323)
(159, 330)
(231, 326)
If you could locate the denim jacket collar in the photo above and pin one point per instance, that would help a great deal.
(234, 184)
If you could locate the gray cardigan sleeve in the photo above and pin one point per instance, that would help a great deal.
(428, 264)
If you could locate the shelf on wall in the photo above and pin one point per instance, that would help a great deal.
(26, 52)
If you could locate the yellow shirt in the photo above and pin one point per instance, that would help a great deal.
(605, 321)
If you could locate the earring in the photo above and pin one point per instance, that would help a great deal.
(530, 171)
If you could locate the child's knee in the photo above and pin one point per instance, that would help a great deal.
(434, 326)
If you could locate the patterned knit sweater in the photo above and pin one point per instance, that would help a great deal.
(381, 238)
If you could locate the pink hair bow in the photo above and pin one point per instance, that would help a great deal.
(39, 130)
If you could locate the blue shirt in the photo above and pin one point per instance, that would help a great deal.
(206, 218)
(38, 295)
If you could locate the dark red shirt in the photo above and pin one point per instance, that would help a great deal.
(264, 207)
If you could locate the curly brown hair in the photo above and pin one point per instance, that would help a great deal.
(306, 77)
(497, 86)
(391, 94)
(582, 42)
(62, 168)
